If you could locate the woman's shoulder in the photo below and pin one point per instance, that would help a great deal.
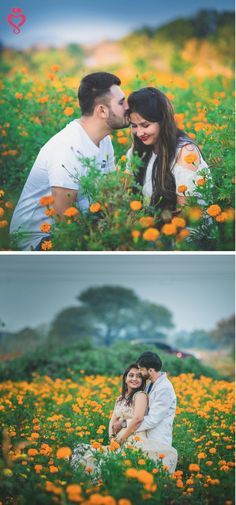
(140, 393)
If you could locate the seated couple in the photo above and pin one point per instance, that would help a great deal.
(161, 146)
(142, 416)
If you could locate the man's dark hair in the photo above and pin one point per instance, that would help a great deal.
(94, 86)
(150, 360)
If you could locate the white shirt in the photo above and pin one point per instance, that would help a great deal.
(158, 423)
(61, 162)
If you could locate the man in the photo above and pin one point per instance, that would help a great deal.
(67, 156)
(158, 423)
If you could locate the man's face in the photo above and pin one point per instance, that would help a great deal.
(118, 109)
(144, 372)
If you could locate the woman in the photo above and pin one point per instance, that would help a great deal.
(130, 408)
(169, 157)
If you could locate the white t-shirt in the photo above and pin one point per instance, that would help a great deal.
(59, 163)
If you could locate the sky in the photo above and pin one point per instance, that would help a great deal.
(88, 21)
(198, 289)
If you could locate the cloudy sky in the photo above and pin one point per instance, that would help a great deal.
(88, 21)
(198, 289)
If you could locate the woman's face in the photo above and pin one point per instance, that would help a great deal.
(145, 130)
(133, 379)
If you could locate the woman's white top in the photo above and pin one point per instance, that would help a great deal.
(183, 173)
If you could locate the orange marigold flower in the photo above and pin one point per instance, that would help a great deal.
(179, 222)
(141, 462)
(214, 210)
(183, 234)
(19, 96)
(50, 212)
(46, 245)
(73, 489)
(32, 452)
(151, 234)
(55, 68)
(145, 477)
(179, 483)
(190, 158)
(34, 435)
(53, 469)
(194, 468)
(135, 205)
(212, 450)
(64, 452)
(71, 212)
(43, 99)
(123, 158)
(123, 140)
(202, 455)
(2, 211)
(9, 205)
(95, 207)
(182, 188)
(135, 234)
(230, 213)
(168, 229)
(221, 218)
(68, 111)
(146, 221)
(131, 473)
(2, 193)
(124, 501)
(201, 182)
(46, 200)
(38, 468)
(195, 213)
(45, 227)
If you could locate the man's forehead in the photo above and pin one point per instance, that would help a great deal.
(116, 92)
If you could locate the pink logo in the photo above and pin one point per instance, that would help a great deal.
(16, 19)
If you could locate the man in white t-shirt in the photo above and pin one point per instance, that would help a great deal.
(61, 161)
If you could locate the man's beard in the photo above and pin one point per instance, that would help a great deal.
(115, 122)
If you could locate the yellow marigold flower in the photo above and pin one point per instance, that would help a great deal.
(214, 210)
(1, 211)
(45, 227)
(168, 229)
(195, 213)
(193, 467)
(146, 221)
(135, 205)
(114, 445)
(2, 193)
(7, 472)
(179, 222)
(68, 111)
(95, 207)
(46, 245)
(123, 158)
(135, 234)
(190, 158)
(182, 188)
(46, 200)
(71, 212)
(64, 452)
(19, 96)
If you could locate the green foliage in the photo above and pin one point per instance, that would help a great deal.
(68, 361)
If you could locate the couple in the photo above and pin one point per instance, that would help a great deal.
(142, 416)
(168, 157)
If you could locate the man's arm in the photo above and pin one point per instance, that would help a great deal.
(63, 198)
(157, 411)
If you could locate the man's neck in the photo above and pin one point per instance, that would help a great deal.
(95, 131)
(155, 377)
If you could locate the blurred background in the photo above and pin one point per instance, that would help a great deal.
(193, 37)
(63, 314)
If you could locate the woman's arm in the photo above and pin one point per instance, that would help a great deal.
(140, 407)
(112, 421)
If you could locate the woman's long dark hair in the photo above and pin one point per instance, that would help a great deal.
(154, 106)
(125, 387)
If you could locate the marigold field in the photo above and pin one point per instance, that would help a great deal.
(35, 107)
(45, 419)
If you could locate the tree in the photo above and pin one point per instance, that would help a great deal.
(224, 332)
(71, 325)
(113, 309)
(150, 319)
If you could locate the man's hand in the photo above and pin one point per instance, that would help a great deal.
(116, 427)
